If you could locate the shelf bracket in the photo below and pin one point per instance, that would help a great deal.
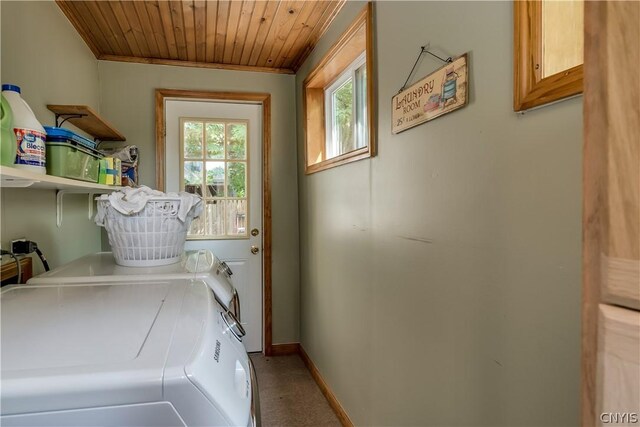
(60, 197)
(66, 117)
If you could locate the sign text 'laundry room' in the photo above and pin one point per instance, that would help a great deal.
(441, 92)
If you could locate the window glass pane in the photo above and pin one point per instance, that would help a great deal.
(236, 217)
(215, 179)
(237, 180)
(362, 134)
(193, 177)
(214, 164)
(237, 142)
(343, 118)
(192, 139)
(214, 212)
(215, 140)
(197, 226)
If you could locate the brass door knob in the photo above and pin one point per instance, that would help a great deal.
(255, 232)
(254, 249)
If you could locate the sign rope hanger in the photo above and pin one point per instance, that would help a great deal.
(423, 50)
(440, 92)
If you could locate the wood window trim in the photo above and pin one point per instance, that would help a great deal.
(529, 88)
(335, 61)
(265, 100)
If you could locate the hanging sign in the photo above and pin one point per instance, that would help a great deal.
(441, 92)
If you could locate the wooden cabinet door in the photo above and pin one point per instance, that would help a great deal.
(618, 368)
(611, 222)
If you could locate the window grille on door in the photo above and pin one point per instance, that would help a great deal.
(214, 165)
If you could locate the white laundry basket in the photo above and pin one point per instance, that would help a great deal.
(154, 236)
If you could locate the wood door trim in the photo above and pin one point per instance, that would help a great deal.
(593, 182)
(611, 204)
(285, 349)
(265, 100)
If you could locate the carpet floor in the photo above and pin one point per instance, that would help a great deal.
(288, 394)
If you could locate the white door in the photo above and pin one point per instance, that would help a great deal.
(214, 149)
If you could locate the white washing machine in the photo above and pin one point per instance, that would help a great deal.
(196, 264)
(160, 352)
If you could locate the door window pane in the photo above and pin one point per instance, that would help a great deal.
(215, 179)
(192, 140)
(193, 177)
(215, 140)
(237, 142)
(215, 166)
(236, 213)
(214, 213)
(237, 181)
(197, 226)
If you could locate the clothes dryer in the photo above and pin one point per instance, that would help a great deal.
(156, 352)
(196, 264)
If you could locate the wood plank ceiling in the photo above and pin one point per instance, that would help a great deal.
(253, 35)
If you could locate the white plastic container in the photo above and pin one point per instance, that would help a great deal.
(30, 135)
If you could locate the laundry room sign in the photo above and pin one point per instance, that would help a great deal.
(441, 92)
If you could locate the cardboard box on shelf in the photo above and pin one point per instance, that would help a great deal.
(110, 171)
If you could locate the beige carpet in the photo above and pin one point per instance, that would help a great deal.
(288, 394)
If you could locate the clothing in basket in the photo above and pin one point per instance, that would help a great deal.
(147, 227)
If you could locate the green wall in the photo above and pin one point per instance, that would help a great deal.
(42, 53)
(53, 65)
(128, 99)
(440, 280)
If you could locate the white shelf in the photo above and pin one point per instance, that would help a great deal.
(20, 178)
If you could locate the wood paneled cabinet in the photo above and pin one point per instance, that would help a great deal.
(611, 223)
(618, 366)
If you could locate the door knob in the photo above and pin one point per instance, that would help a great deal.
(254, 249)
(255, 232)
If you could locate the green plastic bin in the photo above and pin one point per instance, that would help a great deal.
(73, 161)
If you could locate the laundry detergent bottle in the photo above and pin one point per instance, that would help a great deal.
(30, 135)
(8, 145)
